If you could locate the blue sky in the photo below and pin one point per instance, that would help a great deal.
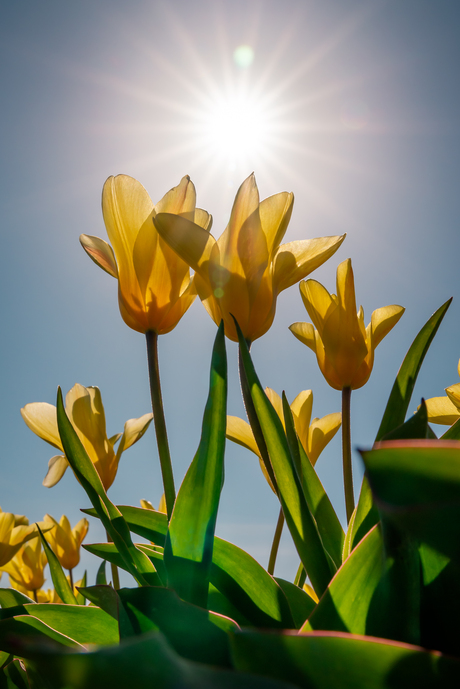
(357, 111)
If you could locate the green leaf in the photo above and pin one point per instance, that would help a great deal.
(137, 563)
(17, 633)
(80, 598)
(452, 433)
(101, 577)
(60, 583)
(104, 596)
(190, 538)
(189, 629)
(10, 598)
(328, 523)
(395, 413)
(301, 604)
(416, 485)
(16, 676)
(416, 427)
(109, 552)
(295, 507)
(342, 661)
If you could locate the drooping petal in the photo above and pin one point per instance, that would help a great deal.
(275, 214)
(295, 260)
(133, 431)
(321, 433)
(304, 332)
(240, 432)
(101, 253)
(318, 302)
(442, 410)
(41, 418)
(57, 466)
(190, 241)
(383, 320)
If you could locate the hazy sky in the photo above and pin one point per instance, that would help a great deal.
(353, 106)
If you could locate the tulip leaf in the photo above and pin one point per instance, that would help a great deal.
(189, 629)
(328, 523)
(104, 596)
(16, 675)
(299, 519)
(366, 515)
(16, 633)
(416, 427)
(143, 661)
(109, 552)
(136, 562)
(301, 604)
(101, 576)
(452, 433)
(343, 661)
(10, 598)
(190, 537)
(80, 598)
(60, 582)
(237, 576)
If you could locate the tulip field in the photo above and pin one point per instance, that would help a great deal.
(375, 602)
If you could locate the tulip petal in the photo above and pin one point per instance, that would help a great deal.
(275, 214)
(41, 419)
(277, 403)
(304, 332)
(6, 526)
(101, 253)
(453, 393)
(203, 219)
(295, 260)
(190, 241)
(180, 200)
(177, 309)
(442, 410)
(321, 433)
(133, 431)
(383, 320)
(301, 409)
(318, 302)
(57, 466)
(241, 433)
(86, 411)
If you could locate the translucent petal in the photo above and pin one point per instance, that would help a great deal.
(56, 470)
(190, 241)
(133, 431)
(383, 320)
(442, 410)
(304, 332)
(180, 200)
(321, 432)
(240, 432)
(203, 219)
(101, 253)
(275, 214)
(42, 420)
(318, 302)
(301, 407)
(295, 260)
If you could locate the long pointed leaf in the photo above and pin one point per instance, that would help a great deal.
(62, 586)
(190, 538)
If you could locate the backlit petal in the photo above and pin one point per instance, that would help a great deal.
(442, 410)
(301, 408)
(321, 432)
(180, 200)
(277, 403)
(190, 241)
(275, 214)
(383, 320)
(304, 332)
(101, 253)
(240, 432)
(133, 431)
(317, 301)
(42, 420)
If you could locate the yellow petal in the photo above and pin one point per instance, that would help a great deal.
(86, 411)
(172, 316)
(42, 420)
(304, 332)
(240, 432)
(321, 433)
(301, 408)
(442, 410)
(101, 253)
(6, 526)
(383, 320)
(56, 470)
(190, 241)
(275, 214)
(133, 431)
(146, 504)
(318, 302)
(295, 260)
(453, 393)
(180, 200)
(162, 504)
(203, 219)
(277, 403)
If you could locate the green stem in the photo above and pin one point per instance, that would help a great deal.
(300, 577)
(346, 453)
(159, 421)
(276, 542)
(34, 595)
(114, 568)
(71, 579)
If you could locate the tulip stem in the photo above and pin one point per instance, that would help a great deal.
(276, 542)
(346, 453)
(300, 577)
(71, 579)
(159, 421)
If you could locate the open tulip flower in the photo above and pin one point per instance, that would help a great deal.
(314, 435)
(14, 532)
(154, 284)
(445, 410)
(65, 542)
(27, 567)
(86, 412)
(344, 346)
(242, 273)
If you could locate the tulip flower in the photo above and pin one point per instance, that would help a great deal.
(154, 284)
(343, 345)
(14, 532)
(313, 435)
(27, 567)
(445, 410)
(86, 412)
(242, 273)
(65, 542)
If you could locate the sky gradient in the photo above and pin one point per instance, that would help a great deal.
(355, 107)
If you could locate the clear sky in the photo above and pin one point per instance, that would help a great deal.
(354, 106)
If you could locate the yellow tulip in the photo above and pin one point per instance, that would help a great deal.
(344, 347)
(314, 435)
(86, 412)
(154, 285)
(27, 567)
(445, 410)
(65, 542)
(242, 273)
(14, 532)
